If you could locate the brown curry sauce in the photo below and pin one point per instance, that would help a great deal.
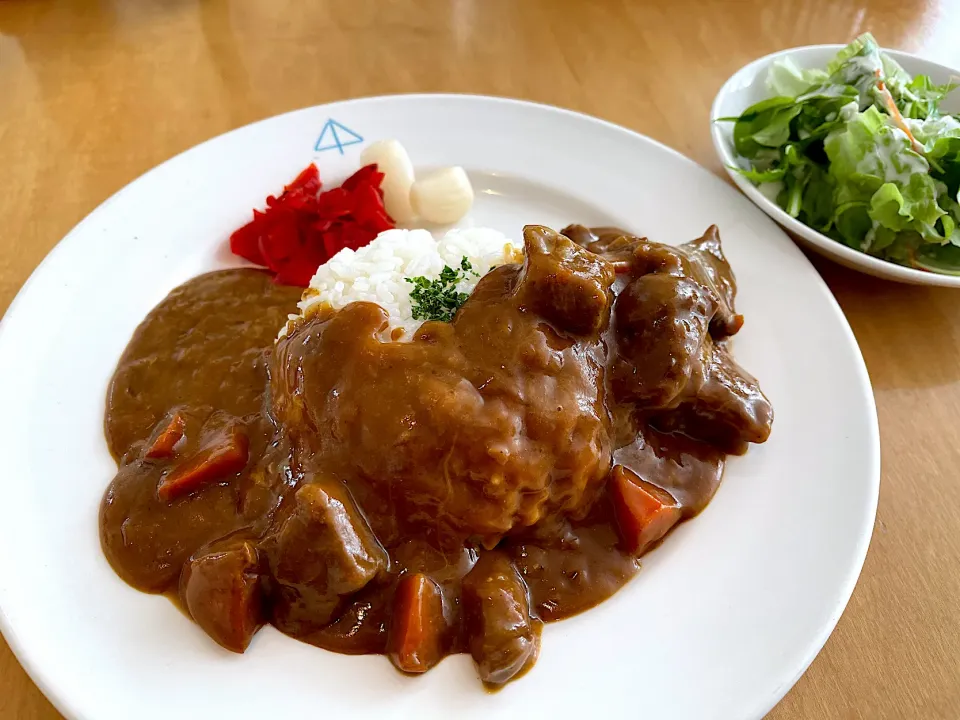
(447, 494)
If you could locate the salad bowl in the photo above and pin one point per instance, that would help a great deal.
(750, 85)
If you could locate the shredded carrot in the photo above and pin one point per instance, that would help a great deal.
(895, 113)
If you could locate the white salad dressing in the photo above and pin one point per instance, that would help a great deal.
(892, 158)
(858, 66)
(931, 128)
(849, 111)
(861, 72)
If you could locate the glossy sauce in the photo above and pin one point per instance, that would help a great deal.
(463, 474)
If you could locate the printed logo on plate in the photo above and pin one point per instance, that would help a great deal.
(335, 136)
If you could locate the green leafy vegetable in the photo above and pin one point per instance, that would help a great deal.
(439, 299)
(860, 151)
(787, 80)
(939, 258)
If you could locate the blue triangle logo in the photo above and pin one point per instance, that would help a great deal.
(336, 136)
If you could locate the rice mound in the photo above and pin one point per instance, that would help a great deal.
(377, 272)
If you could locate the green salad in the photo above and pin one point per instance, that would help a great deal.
(860, 151)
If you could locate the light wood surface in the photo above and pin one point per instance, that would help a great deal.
(92, 94)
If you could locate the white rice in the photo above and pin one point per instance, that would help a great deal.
(377, 272)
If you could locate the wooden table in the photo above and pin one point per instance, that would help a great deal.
(92, 94)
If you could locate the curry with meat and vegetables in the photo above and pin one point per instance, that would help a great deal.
(443, 495)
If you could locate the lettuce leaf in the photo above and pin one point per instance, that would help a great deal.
(857, 66)
(864, 46)
(919, 98)
(869, 145)
(786, 79)
(939, 136)
(763, 126)
(908, 207)
(944, 259)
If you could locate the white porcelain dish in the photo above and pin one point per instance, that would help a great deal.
(749, 85)
(744, 595)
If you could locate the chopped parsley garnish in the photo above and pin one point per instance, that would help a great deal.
(438, 299)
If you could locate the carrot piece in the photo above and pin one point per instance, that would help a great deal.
(163, 444)
(416, 633)
(226, 455)
(644, 512)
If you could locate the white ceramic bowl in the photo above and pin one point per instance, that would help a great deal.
(749, 85)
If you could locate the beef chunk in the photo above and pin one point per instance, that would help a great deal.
(701, 259)
(220, 588)
(661, 322)
(324, 552)
(710, 268)
(582, 236)
(627, 253)
(562, 283)
(503, 637)
(727, 409)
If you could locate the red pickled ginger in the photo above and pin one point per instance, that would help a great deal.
(303, 228)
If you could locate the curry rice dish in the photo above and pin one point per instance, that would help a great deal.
(445, 493)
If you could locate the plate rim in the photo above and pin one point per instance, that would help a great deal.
(47, 684)
(835, 251)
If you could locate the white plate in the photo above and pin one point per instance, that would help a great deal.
(748, 86)
(724, 617)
